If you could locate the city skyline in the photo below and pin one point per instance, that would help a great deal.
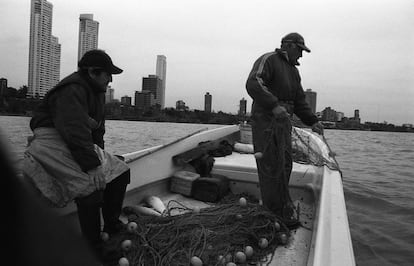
(351, 64)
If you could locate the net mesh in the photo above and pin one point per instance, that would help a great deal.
(214, 235)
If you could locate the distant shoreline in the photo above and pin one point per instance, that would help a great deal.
(151, 119)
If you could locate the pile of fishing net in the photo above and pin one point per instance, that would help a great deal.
(238, 230)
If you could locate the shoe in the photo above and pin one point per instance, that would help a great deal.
(114, 228)
(289, 215)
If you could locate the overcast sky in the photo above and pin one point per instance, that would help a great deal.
(362, 50)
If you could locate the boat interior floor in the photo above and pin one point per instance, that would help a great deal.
(295, 252)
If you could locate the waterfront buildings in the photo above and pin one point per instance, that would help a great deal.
(207, 102)
(126, 100)
(161, 72)
(144, 99)
(88, 34)
(180, 105)
(310, 97)
(44, 50)
(3, 86)
(153, 84)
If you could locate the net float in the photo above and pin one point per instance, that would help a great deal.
(126, 244)
(243, 202)
(132, 226)
(263, 243)
(258, 155)
(248, 250)
(277, 226)
(196, 261)
(240, 257)
(123, 262)
(104, 236)
(283, 238)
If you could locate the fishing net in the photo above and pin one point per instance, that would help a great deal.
(306, 150)
(213, 234)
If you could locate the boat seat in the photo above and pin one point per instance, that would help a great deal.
(242, 167)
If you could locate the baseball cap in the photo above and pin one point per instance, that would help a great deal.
(99, 59)
(297, 39)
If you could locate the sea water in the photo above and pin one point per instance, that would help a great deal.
(377, 167)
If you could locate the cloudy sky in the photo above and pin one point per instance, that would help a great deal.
(362, 50)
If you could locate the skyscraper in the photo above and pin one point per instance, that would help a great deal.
(310, 97)
(207, 102)
(243, 106)
(153, 84)
(44, 50)
(88, 34)
(3, 86)
(161, 72)
(109, 95)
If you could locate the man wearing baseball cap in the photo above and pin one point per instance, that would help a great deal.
(65, 158)
(275, 86)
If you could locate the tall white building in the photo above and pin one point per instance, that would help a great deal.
(161, 72)
(88, 34)
(109, 95)
(44, 50)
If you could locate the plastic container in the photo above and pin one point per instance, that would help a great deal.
(182, 182)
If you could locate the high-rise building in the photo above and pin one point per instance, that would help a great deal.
(126, 100)
(3, 86)
(44, 50)
(180, 105)
(310, 97)
(88, 34)
(54, 61)
(161, 72)
(152, 83)
(109, 95)
(207, 102)
(243, 107)
(144, 99)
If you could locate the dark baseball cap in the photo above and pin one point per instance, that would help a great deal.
(99, 59)
(297, 39)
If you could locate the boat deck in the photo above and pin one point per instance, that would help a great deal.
(241, 169)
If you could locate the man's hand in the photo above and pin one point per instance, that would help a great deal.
(280, 112)
(98, 177)
(318, 128)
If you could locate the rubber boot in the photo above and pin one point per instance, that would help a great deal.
(90, 218)
(113, 199)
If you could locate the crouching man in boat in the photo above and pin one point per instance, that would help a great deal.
(65, 159)
(274, 84)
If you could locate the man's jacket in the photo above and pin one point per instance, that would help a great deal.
(75, 107)
(273, 81)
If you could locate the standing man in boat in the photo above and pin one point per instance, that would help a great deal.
(274, 84)
(66, 160)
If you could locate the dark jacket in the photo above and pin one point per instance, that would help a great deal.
(75, 107)
(273, 81)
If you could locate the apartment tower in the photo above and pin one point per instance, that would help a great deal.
(44, 50)
(88, 34)
(207, 102)
(161, 72)
(243, 107)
